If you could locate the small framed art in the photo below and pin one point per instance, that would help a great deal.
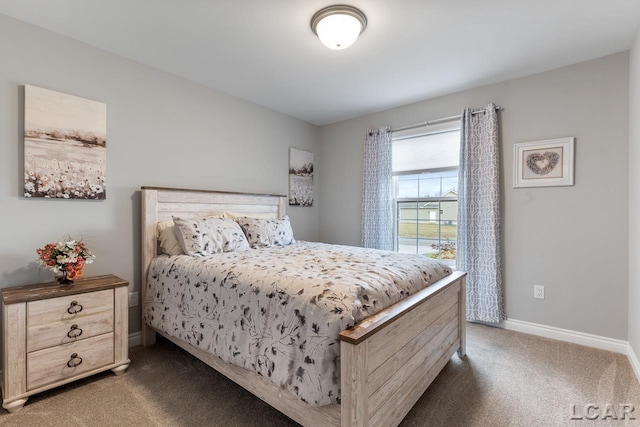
(546, 163)
(300, 177)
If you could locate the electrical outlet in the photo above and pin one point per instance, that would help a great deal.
(133, 299)
(538, 291)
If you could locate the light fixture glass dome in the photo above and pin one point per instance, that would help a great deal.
(338, 27)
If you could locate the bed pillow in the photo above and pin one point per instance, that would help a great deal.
(267, 232)
(167, 239)
(208, 236)
(261, 215)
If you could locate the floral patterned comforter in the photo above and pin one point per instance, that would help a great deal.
(278, 310)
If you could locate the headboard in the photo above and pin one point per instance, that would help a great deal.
(161, 204)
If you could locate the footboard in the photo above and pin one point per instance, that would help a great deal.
(389, 360)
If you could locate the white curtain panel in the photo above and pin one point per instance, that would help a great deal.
(479, 228)
(377, 190)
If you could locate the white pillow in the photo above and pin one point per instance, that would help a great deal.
(208, 236)
(267, 232)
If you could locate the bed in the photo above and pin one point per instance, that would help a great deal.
(387, 360)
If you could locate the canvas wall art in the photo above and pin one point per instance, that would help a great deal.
(300, 177)
(65, 145)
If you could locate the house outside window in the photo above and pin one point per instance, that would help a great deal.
(425, 167)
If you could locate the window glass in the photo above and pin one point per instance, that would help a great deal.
(426, 192)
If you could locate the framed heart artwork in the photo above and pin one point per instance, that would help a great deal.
(546, 163)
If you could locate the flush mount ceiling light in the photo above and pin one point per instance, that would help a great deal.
(338, 26)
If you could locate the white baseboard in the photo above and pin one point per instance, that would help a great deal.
(575, 337)
(135, 339)
(633, 359)
(589, 340)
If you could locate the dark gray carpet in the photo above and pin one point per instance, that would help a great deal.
(507, 379)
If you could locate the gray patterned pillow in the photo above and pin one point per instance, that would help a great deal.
(267, 232)
(208, 236)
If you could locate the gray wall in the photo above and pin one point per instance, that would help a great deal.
(634, 197)
(166, 131)
(573, 240)
(161, 130)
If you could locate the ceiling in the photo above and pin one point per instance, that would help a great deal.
(264, 51)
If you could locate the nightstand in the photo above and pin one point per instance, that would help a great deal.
(54, 334)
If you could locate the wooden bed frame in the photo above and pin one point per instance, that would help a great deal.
(387, 361)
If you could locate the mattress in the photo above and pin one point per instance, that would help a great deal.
(278, 311)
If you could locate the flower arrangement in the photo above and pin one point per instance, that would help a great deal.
(67, 258)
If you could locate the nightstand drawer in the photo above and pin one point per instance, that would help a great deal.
(70, 307)
(57, 363)
(68, 331)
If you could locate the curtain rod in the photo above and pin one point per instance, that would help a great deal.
(438, 121)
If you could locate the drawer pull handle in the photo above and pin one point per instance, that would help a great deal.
(74, 308)
(74, 360)
(74, 332)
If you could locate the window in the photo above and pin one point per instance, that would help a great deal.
(425, 168)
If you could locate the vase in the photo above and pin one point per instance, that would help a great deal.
(63, 279)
